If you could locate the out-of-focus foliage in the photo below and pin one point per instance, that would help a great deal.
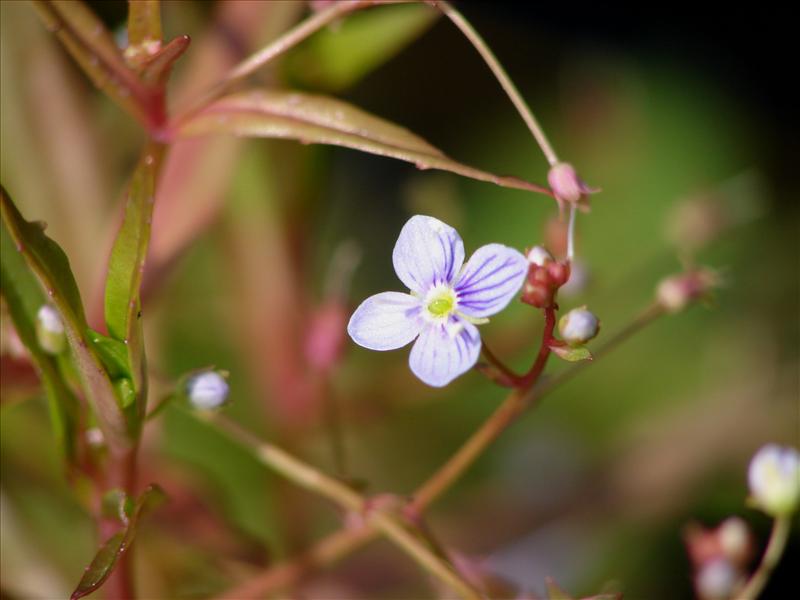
(594, 487)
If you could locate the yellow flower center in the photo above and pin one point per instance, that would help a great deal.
(441, 302)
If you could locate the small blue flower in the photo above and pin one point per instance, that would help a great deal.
(445, 303)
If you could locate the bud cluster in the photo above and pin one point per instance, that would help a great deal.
(545, 276)
(720, 557)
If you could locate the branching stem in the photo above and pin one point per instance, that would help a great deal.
(341, 543)
(314, 480)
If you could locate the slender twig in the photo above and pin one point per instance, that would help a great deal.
(506, 376)
(314, 480)
(287, 41)
(325, 552)
(491, 429)
(505, 81)
(571, 233)
(335, 546)
(772, 555)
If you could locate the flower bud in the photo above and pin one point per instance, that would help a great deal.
(734, 540)
(566, 184)
(676, 292)
(50, 330)
(578, 326)
(716, 580)
(774, 479)
(539, 256)
(207, 390)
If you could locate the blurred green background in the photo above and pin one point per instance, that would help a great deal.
(678, 126)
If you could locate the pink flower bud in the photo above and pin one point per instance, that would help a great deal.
(566, 184)
(676, 292)
(325, 340)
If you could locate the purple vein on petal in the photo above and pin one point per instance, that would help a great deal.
(464, 283)
(470, 283)
(494, 286)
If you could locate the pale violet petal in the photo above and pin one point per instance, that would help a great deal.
(490, 280)
(386, 321)
(427, 252)
(444, 351)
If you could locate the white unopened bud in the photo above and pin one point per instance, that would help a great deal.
(774, 479)
(50, 330)
(734, 540)
(539, 256)
(716, 580)
(578, 326)
(207, 390)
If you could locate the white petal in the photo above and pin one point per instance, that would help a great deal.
(491, 279)
(427, 252)
(443, 352)
(386, 321)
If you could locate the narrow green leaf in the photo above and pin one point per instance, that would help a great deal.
(24, 298)
(101, 566)
(144, 30)
(571, 354)
(321, 120)
(126, 265)
(51, 268)
(112, 550)
(93, 48)
(337, 57)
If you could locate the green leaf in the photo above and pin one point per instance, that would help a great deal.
(126, 265)
(571, 354)
(337, 57)
(113, 354)
(93, 48)
(314, 119)
(115, 547)
(144, 30)
(47, 261)
(24, 298)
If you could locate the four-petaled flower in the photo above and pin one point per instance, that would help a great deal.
(445, 303)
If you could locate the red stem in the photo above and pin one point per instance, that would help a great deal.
(536, 369)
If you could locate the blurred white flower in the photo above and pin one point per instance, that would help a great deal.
(774, 479)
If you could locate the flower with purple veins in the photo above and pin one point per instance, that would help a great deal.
(445, 301)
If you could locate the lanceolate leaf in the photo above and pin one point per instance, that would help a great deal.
(24, 298)
(322, 120)
(112, 550)
(126, 264)
(93, 48)
(51, 267)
